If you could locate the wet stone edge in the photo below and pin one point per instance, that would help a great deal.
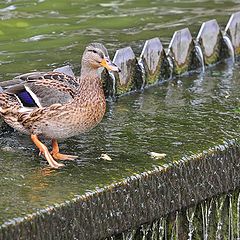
(136, 200)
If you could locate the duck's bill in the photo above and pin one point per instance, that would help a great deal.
(109, 65)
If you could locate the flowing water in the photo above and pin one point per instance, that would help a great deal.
(177, 118)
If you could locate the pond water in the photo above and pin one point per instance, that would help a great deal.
(44, 34)
(178, 118)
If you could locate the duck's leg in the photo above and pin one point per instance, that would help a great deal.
(43, 150)
(58, 156)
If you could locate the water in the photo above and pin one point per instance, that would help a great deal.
(230, 47)
(217, 218)
(176, 118)
(200, 57)
(44, 34)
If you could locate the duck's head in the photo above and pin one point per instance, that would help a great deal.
(96, 56)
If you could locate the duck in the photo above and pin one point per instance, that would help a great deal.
(53, 105)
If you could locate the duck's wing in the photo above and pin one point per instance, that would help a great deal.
(42, 92)
(58, 76)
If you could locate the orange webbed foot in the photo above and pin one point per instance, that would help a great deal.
(44, 151)
(59, 156)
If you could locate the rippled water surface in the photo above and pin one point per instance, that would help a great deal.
(177, 118)
(45, 34)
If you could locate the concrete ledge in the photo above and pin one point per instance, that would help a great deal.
(136, 200)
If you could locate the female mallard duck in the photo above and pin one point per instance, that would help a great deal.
(57, 106)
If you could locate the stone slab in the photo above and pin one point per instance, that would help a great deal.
(211, 42)
(152, 59)
(66, 70)
(181, 49)
(130, 77)
(233, 31)
(109, 84)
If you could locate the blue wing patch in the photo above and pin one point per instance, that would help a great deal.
(26, 99)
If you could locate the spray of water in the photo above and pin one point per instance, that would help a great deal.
(230, 47)
(170, 61)
(200, 56)
(141, 65)
(114, 82)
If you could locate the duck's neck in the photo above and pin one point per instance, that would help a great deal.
(86, 71)
(90, 85)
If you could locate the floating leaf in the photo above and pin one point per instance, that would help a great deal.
(104, 156)
(157, 155)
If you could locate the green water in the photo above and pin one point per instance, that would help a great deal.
(176, 118)
(41, 35)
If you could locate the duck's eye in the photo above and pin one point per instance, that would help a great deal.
(92, 50)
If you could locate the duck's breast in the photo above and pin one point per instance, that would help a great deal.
(72, 120)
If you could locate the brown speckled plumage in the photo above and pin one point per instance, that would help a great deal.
(60, 106)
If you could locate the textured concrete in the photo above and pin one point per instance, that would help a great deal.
(139, 199)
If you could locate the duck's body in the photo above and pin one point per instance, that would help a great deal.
(62, 117)
(57, 106)
(38, 97)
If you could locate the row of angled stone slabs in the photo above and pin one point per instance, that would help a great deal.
(183, 54)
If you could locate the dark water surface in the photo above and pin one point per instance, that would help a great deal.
(177, 118)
